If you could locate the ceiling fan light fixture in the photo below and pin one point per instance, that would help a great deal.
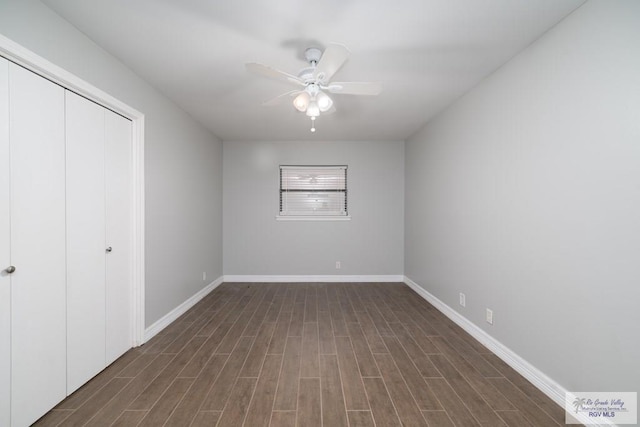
(314, 82)
(324, 102)
(301, 102)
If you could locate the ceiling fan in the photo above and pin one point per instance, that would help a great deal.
(314, 81)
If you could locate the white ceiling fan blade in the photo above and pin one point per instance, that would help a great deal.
(355, 88)
(278, 99)
(266, 71)
(333, 57)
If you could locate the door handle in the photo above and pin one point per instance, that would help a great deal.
(109, 249)
(10, 269)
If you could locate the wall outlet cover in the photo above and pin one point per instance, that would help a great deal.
(489, 316)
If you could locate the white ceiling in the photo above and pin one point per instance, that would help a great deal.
(426, 53)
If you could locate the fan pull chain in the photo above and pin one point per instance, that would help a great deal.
(313, 124)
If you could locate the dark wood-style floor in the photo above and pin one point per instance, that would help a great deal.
(310, 355)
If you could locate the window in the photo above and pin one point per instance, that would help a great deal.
(313, 192)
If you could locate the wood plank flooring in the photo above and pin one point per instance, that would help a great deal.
(356, 354)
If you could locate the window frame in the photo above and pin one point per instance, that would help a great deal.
(311, 217)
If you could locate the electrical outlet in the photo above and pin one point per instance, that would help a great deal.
(204, 275)
(463, 300)
(489, 316)
(338, 265)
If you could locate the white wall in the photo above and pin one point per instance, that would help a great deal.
(525, 195)
(370, 244)
(183, 161)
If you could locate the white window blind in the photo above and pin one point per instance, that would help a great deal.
(313, 191)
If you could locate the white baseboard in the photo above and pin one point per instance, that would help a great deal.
(166, 320)
(311, 278)
(545, 384)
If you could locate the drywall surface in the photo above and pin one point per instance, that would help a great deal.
(370, 244)
(183, 161)
(525, 195)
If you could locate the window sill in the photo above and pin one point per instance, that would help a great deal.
(313, 218)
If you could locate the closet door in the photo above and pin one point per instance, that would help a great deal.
(118, 231)
(5, 257)
(38, 291)
(85, 240)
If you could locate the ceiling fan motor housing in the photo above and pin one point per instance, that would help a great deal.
(306, 74)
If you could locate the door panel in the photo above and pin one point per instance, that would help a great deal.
(118, 226)
(85, 240)
(38, 292)
(5, 257)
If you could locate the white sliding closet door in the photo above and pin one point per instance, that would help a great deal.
(38, 286)
(5, 248)
(85, 240)
(118, 231)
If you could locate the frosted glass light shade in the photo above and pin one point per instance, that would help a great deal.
(324, 101)
(313, 110)
(301, 102)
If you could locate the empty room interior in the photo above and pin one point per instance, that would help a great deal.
(422, 212)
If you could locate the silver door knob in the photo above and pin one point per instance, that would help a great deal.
(109, 249)
(10, 269)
